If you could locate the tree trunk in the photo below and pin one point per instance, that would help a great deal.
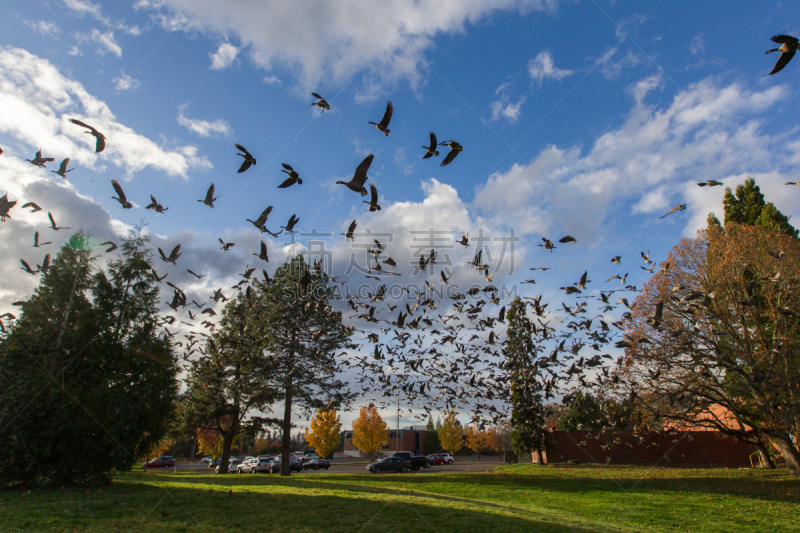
(789, 452)
(287, 429)
(227, 444)
(766, 460)
(539, 456)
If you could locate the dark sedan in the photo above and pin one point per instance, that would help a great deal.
(162, 462)
(316, 464)
(390, 464)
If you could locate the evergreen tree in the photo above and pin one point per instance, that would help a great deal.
(301, 335)
(747, 206)
(86, 384)
(228, 388)
(528, 414)
(432, 445)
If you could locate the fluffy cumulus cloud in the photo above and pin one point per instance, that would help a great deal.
(542, 67)
(36, 100)
(503, 107)
(204, 128)
(224, 56)
(43, 27)
(336, 40)
(651, 162)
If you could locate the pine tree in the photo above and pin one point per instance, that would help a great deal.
(528, 414)
(747, 206)
(301, 335)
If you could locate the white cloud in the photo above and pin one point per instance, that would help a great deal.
(270, 80)
(503, 108)
(542, 67)
(697, 46)
(640, 89)
(709, 131)
(204, 128)
(224, 56)
(84, 7)
(125, 83)
(105, 40)
(336, 40)
(43, 28)
(611, 68)
(36, 100)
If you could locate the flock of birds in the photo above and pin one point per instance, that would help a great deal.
(437, 347)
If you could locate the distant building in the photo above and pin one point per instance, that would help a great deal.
(410, 439)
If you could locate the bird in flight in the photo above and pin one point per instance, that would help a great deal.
(173, 255)
(261, 220)
(53, 224)
(548, 245)
(226, 245)
(263, 254)
(101, 139)
(27, 268)
(383, 125)
(209, 199)
(5, 206)
(788, 47)
(321, 103)
(248, 158)
(373, 200)
(120, 196)
(710, 183)
(360, 177)
(62, 170)
(431, 151)
(40, 161)
(34, 208)
(293, 220)
(36, 242)
(293, 178)
(455, 148)
(787, 183)
(350, 230)
(567, 239)
(681, 207)
(111, 246)
(154, 205)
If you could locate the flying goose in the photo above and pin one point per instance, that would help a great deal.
(53, 223)
(209, 199)
(101, 139)
(263, 255)
(455, 148)
(373, 201)
(383, 125)
(40, 161)
(788, 47)
(293, 178)
(322, 103)
(120, 196)
(350, 230)
(36, 242)
(293, 220)
(261, 220)
(26, 267)
(157, 207)
(431, 150)
(62, 170)
(34, 208)
(45, 264)
(360, 177)
(681, 207)
(173, 255)
(226, 245)
(5, 207)
(248, 158)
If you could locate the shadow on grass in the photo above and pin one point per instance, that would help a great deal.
(775, 485)
(143, 506)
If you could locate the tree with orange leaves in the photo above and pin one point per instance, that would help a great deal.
(714, 336)
(323, 434)
(370, 431)
(476, 440)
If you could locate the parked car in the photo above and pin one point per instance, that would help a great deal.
(207, 459)
(436, 459)
(255, 465)
(308, 456)
(390, 464)
(449, 459)
(417, 461)
(316, 464)
(233, 466)
(294, 464)
(165, 461)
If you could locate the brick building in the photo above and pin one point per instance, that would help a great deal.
(410, 439)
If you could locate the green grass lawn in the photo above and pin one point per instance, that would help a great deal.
(514, 498)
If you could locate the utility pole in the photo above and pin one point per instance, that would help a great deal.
(397, 434)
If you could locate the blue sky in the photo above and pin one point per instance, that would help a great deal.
(582, 118)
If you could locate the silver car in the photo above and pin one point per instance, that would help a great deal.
(256, 464)
(233, 466)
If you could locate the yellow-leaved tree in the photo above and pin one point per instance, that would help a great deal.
(476, 440)
(370, 432)
(451, 437)
(324, 432)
